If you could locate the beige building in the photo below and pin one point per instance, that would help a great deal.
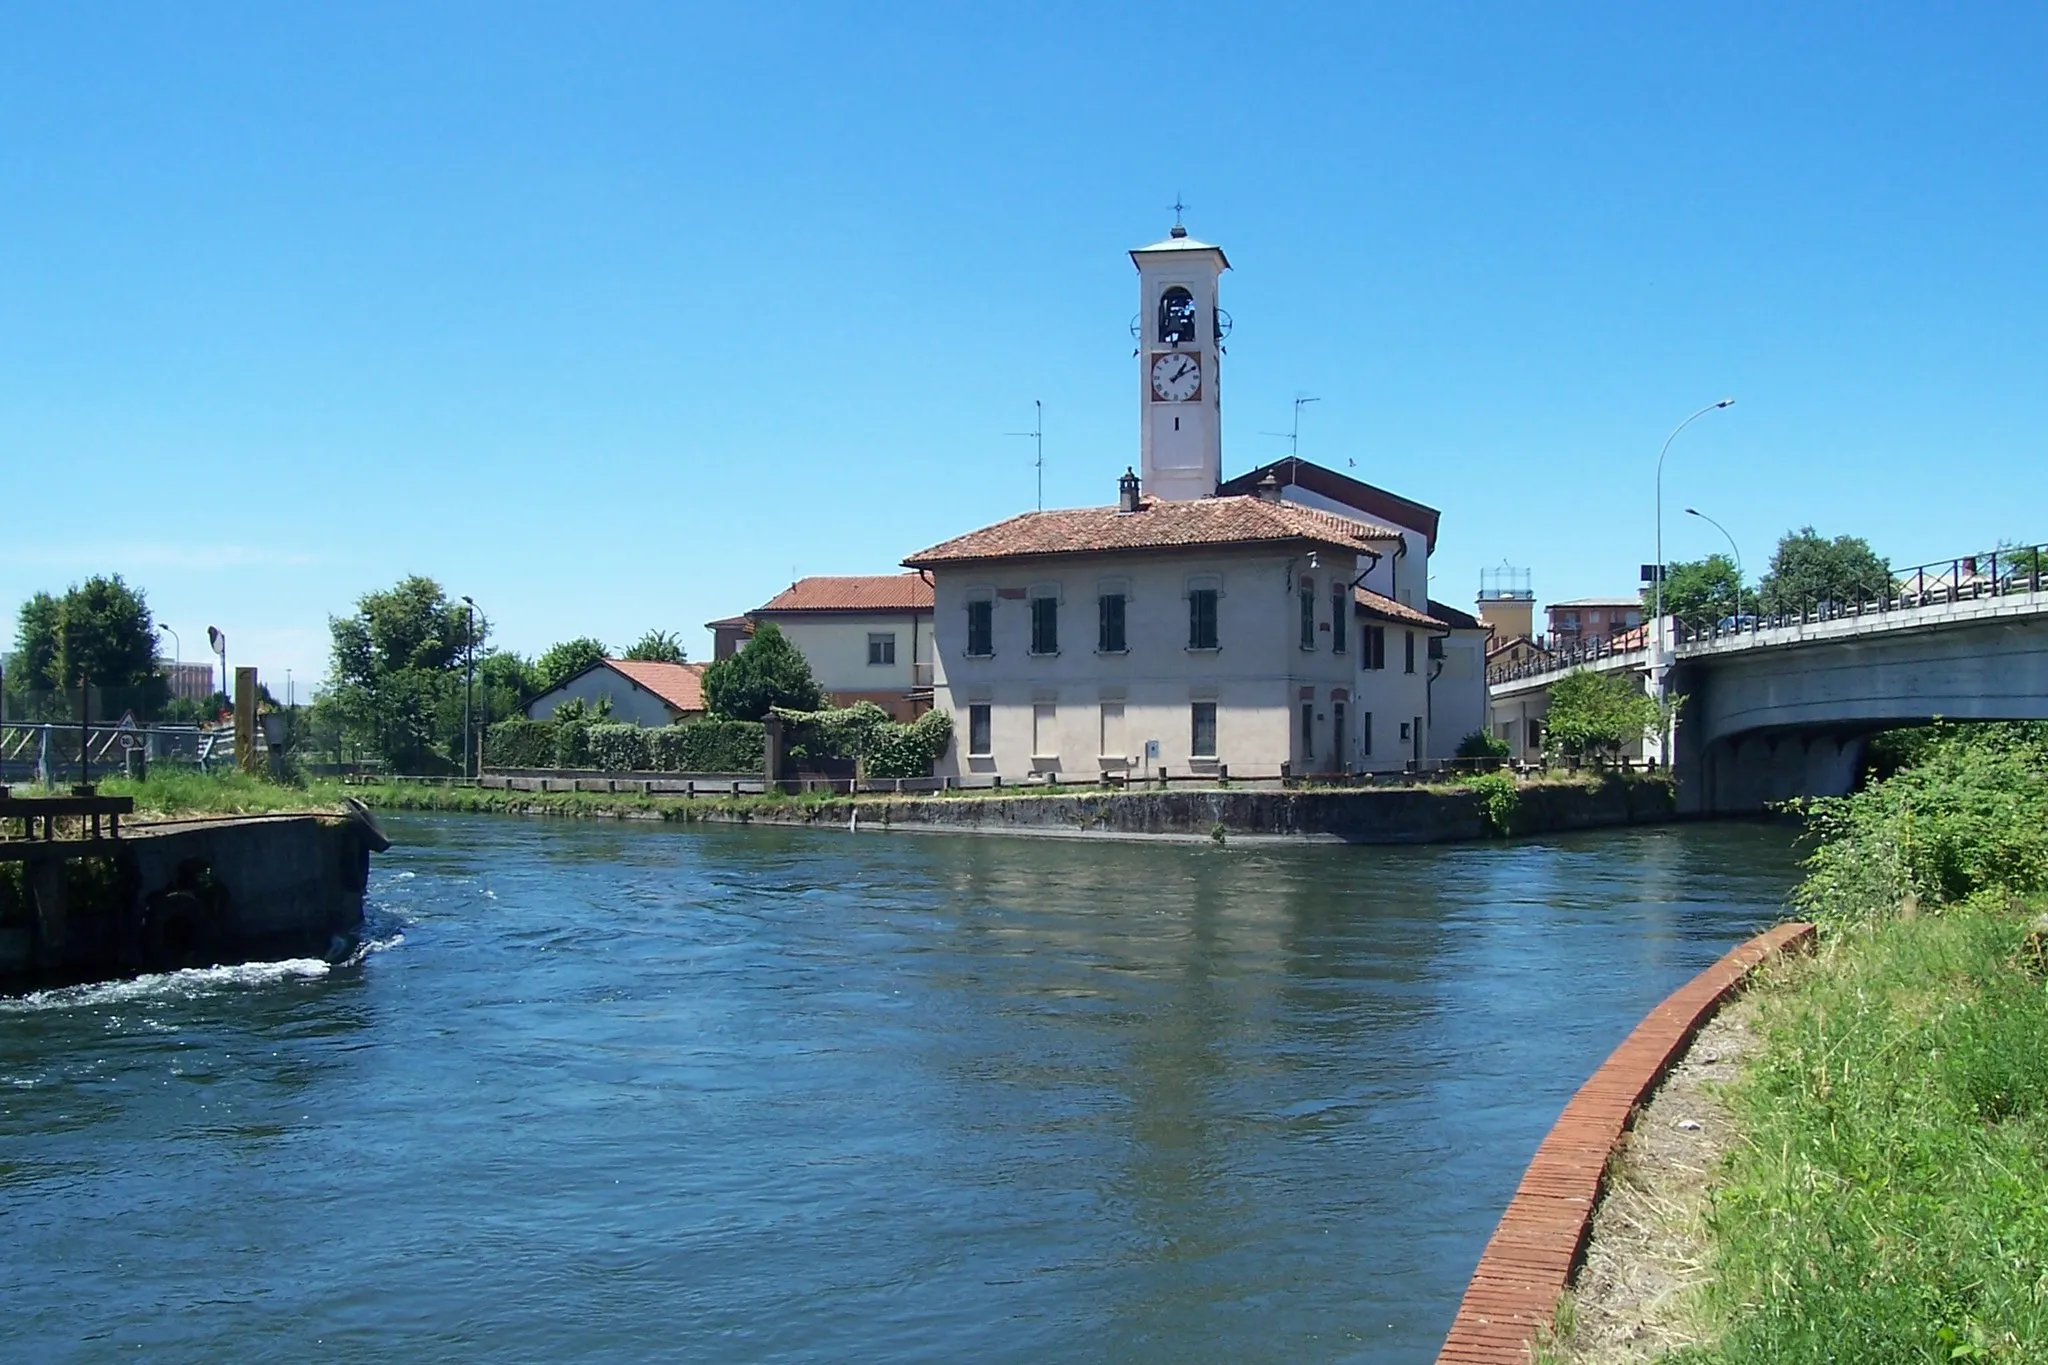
(867, 637)
(1195, 636)
(637, 692)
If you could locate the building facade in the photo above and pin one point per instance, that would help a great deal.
(1590, 621)
(867, 637)
(637, 692)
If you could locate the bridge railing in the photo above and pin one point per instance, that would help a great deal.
(1944, 582)
(1607, 647)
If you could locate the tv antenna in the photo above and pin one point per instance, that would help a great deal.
(1293, 433)
(1037, 435)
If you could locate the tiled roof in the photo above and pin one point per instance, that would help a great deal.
(1387, 609)
(1156, 525)
(1635, 602)
(863, 592)
(729, 623)
(1452, 617)
(1293, 472)
(680, 685)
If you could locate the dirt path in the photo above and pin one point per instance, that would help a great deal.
(1633, 1298)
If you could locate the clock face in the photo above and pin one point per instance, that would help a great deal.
(1176, 377)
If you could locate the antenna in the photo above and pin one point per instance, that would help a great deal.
(1037, 434)
(1293, 434)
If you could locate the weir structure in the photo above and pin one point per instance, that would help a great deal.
(1777, 708)
(83, 897)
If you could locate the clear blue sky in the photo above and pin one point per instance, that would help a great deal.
(615, 316)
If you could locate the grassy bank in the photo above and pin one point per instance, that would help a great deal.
(1888, 1199)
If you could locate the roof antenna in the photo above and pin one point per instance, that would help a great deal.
(1293, 435)
(1037, 434)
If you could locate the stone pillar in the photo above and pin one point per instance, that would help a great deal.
(774, 753)
(245, 720)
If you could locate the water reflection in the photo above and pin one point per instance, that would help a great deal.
(785, 1094)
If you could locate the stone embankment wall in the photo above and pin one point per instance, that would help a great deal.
(188, 893)
(1418, 815)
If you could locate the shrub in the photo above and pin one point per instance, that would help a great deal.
(572, 744)
(864, 732)
(1481, 744)
(520, 744)
(767, 673)
(616, 748)
(1597, 713)
(910, 750)
(707, 746)
(1499, 799)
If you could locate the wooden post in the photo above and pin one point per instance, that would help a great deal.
(245, 719)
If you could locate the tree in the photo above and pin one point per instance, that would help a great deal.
(99, 630)
(659, 647)
(1700, 592)
(1808, 570)
(768, 672)
(1597, 713)
(397, 672)
(564, 661)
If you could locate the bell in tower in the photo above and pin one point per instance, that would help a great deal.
(1179, 331)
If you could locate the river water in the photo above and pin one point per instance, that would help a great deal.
(613, 1093)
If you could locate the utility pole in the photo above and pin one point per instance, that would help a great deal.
(1037, 435)
(1293, 432)
(468, 686)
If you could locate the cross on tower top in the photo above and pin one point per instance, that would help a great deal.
(1178, 209)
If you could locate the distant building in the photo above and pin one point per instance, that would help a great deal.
(640, 693)
(1507, 604)
(1457, 684)
(1589, 621)
(190, 682)
(728, 634)
(867, 637)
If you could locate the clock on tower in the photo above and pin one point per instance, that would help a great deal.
(1178, 327)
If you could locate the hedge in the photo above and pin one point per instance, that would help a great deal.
(699, 746)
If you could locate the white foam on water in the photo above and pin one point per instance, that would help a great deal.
(187, 984)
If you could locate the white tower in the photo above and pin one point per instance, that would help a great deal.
(1179, 326)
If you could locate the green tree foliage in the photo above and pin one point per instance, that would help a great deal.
(561, 662)
(1483, 744)
(659, 647)
(1808, 569)
(505, 682)
(1594, 714)
(769, 672)
(99, 630)
(397, 671)
(1700, 592)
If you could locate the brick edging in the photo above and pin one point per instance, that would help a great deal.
(1528, 1262)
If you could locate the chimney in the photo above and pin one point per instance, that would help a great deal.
(1269, 489)
(1127, 491)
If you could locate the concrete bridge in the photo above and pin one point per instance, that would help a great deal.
(1782, 708)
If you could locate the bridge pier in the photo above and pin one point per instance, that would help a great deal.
(1750, 773)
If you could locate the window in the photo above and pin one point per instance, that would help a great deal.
(1436, 646)
(1176, 317)
(1340, 618)
(1045, 740)
(1202, 740)
(881, 649)
(1045, 625)
(1372, 647)
(1112, 730)
(1109, 624)
(1365, 733)
(1411, 651)
(981, 631)
(1202, 619)
(1308, 613)
(1308, 729)
(977, 730)
(1404, 730)
(1337, 732)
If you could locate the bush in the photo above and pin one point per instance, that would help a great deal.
(1499, 799)
(619, 748)
(767, 673)
(910, 750)
(520, 744)
(1597, 713)
(1480, 744)
(863, 732)
(708, 746)
(572, 744)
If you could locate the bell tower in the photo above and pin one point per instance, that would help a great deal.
(1180, 329)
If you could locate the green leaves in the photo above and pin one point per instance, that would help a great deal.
(561, 662)
(767, 673)
(1597, 713)
(98, 630)
(1700, 592)
(396, 672)
(1807, 570)
(659, 647)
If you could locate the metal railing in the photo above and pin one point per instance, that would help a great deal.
(1607, 647)
(1944, 582)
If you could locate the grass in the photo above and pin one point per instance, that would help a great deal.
(1890, 1200)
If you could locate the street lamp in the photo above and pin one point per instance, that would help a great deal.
(468, 685)
(1695, 512)
(1711, 407)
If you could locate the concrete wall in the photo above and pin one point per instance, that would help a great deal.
(632, 704)
(835, 644)
(1256, 676)
(1457, 698)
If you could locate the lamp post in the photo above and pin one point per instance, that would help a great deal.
(1736, 549)
(1711, 407)
(468, 684)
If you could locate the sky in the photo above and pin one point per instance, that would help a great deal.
(617, 317)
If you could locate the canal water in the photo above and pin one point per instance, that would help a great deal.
(608, 1093)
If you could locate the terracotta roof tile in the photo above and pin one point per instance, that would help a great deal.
(1374, 604)
(1156, 525)
(680, 685)
(862, 592)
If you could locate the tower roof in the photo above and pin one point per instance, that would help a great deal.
(1178, 241)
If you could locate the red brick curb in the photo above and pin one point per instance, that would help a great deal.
(1529, 1261)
